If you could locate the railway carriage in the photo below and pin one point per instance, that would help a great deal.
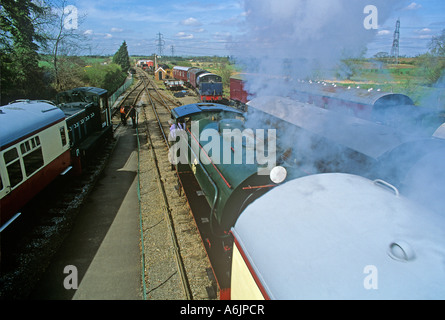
(238, 94)
(367, 104)
(34, 146)
(180, 73)
(338, 236)
(193, 75)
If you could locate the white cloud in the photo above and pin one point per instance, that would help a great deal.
(108, 36)
(183, 35)
(383, 32)
(117, 30)
(88, 32)
(191, 22)
(424, 31)
(413, 6)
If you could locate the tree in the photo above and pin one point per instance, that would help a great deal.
(122, 58)
(434, 61)
(19, 60)
(437, 45)
(62, 39)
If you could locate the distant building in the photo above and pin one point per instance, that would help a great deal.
(161, 74)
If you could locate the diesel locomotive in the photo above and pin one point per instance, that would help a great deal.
(208, 85)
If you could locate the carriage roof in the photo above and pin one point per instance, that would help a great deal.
(23, 118)
(317, 237)
(364, 136)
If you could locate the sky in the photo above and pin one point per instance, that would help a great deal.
(216, 27)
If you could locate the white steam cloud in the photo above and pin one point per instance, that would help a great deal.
(298, 38)
(286, 40)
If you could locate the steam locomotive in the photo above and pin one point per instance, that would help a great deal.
(318, 152)
(337, 236)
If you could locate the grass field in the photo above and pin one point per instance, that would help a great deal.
(408, 77)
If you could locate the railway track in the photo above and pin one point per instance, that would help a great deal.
(166, 207)
(183, 263)
(175, 263)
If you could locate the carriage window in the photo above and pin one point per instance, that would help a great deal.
(10, 155)
(1, 182)
(63, 135)
(13, 167)
(33, 161)
(32, 155)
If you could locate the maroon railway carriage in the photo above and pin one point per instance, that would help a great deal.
(180, 73)
(237, 90)
(34, 150)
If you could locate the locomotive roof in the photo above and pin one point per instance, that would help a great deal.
(314, 237)
(23, 118)
(367, 137)
(196, 108)
(208, 74)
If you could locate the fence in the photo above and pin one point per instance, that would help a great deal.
(112, 99)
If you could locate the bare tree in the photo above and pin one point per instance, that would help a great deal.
(437, 45)
(64, 40)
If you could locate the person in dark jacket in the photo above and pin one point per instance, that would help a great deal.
(133, 116)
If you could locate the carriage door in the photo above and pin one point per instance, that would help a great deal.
(105, 116)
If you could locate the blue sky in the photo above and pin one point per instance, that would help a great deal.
(209, 27)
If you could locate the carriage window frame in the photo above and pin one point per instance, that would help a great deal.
(13, 167)
(63, 136)
(33, 156)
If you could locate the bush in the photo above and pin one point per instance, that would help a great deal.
(109, 77)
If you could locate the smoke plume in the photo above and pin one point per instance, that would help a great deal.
(303, 38)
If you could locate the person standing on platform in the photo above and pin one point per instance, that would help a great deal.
(133, 116)
(123, 115)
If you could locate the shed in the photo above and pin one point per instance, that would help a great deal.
(160, 74)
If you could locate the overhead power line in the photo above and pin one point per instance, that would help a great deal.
(395, 44)
(161, 44)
